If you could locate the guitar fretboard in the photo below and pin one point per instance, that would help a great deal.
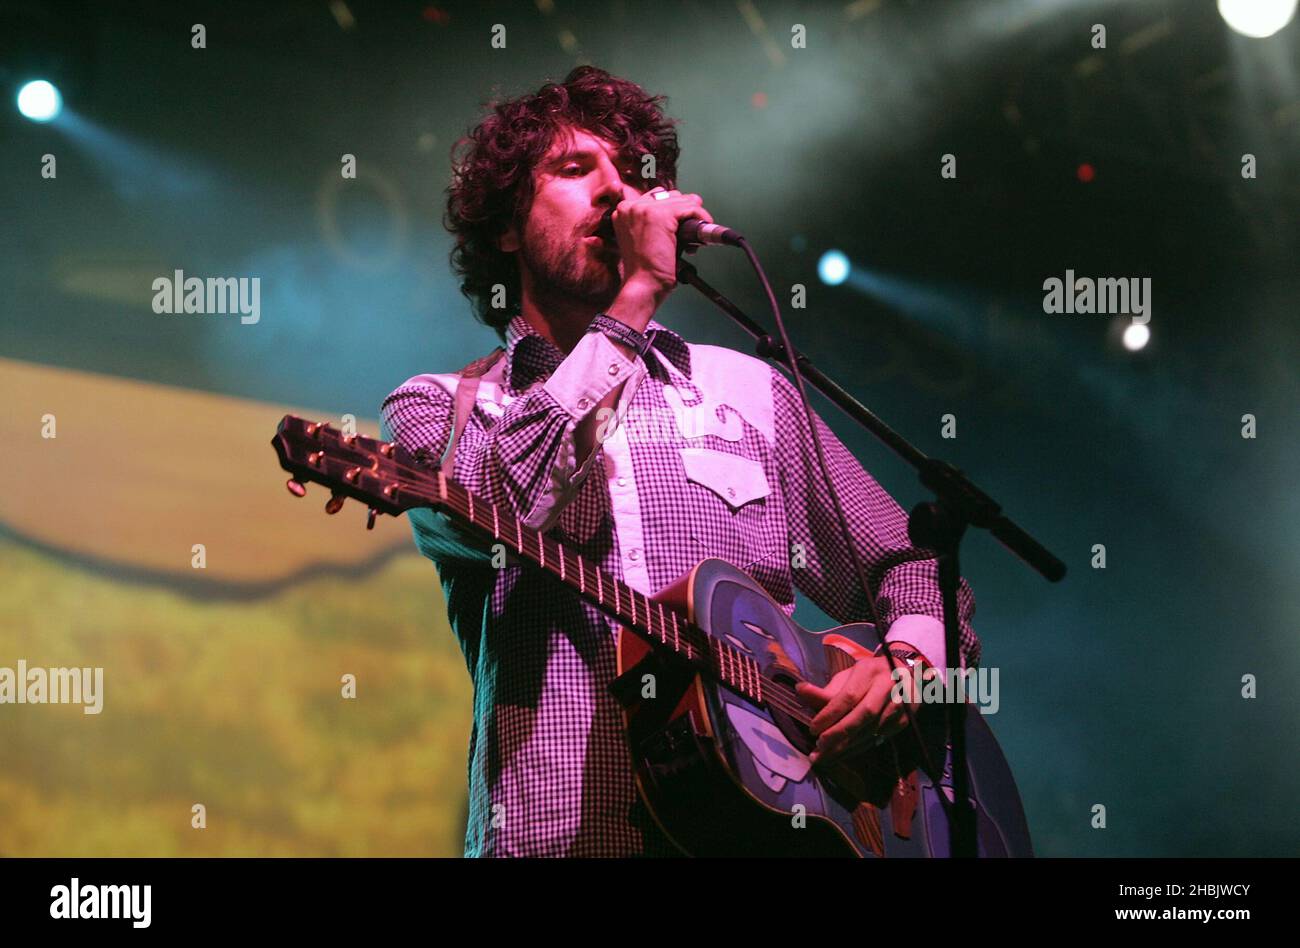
(662, 626)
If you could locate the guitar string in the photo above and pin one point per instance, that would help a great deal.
(775, 692)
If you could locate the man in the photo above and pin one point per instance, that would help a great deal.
(638, 450)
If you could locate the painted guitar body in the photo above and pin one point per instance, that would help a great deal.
(724, 776)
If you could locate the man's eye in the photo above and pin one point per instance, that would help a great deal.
(568, 168)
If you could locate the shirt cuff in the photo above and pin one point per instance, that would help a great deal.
(593, 369)
(925, 634)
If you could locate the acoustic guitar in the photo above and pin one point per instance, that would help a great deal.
(706, 676)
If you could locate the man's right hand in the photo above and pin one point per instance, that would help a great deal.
(646, 228)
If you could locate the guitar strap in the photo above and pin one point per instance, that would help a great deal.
(466, 394)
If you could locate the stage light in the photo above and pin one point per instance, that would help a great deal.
(39, 101)
(833, 268)
(1257, 18)
(1136, 336)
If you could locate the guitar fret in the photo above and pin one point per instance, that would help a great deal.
(732, 667)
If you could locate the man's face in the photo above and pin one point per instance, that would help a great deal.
(580, 178)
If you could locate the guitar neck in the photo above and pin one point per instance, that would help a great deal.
(660, 625)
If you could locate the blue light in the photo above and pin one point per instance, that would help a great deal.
(833, 268)
(39, 101)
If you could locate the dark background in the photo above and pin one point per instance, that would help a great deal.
(1120, 686)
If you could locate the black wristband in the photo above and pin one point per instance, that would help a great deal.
(620, 332)
(903, 653)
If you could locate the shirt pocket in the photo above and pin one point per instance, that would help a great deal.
(729, 498)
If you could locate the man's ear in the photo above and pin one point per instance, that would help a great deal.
(508, 242)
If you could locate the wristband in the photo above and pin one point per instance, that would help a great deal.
(620, 332)
(904, 654)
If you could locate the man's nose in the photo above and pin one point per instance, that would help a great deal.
(613, 189)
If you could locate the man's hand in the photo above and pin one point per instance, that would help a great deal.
(857, 707)
(646, 227)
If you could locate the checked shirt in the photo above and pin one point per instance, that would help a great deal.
(709, 455)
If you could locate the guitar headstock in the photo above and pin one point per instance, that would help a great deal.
(380, 474)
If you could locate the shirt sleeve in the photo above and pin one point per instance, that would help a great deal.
(525, 461)
(904, 578)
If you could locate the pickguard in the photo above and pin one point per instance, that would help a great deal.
(768, 746)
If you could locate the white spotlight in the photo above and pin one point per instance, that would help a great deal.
(1257, 18)
(1136, 336)
(833, 268)
(39, 101)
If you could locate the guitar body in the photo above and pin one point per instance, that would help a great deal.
(726, 777)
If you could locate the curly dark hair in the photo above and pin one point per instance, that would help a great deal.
(492, 180)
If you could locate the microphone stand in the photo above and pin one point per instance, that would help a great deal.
(938, 525)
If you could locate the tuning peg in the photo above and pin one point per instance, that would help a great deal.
(370, 518)
(335, 503)
(296, 487)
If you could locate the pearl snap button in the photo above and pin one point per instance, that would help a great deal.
(622, 482)
(634, 555)
(583, 403)
(613, 369)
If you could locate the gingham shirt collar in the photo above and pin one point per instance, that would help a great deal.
(531, 356)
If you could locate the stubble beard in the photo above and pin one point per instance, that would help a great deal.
(569, 275)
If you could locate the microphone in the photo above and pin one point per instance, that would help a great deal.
(702, 234)
(692, 233)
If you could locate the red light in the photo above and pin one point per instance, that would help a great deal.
(758, 100)
(432, 14)
(1086, 172)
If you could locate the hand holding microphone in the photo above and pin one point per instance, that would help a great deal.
(651, 229)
